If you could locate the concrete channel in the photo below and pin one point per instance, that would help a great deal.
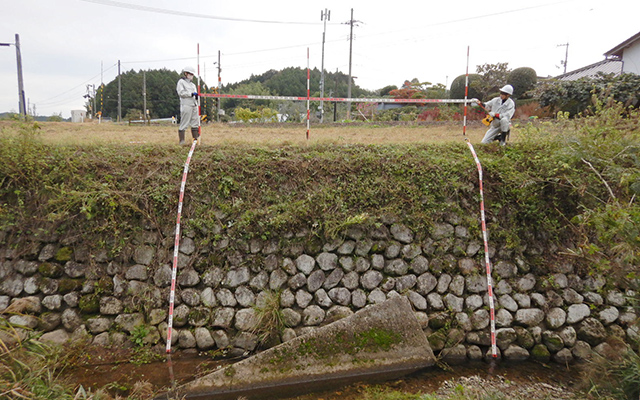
(380, 342)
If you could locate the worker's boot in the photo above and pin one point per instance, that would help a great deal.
(181, 136)
(195, 134)
(503, 137)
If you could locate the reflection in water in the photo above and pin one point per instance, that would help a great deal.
(172, 377)
(183, 367)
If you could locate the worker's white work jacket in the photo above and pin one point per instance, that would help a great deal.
(185, 89)
(496, 106)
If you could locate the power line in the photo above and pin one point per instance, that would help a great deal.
(188, 14)
(44, 102)
(483, 16)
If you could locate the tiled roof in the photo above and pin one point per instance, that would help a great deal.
(605, 66)
(617, 51)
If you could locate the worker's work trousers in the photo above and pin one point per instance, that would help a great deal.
(188, 117)
(495, 129)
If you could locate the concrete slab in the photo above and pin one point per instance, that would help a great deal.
(383, 339)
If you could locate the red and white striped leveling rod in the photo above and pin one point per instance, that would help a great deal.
(487, 262)
(176, 247)
(494, 352)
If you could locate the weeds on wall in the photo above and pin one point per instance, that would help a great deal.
(269, 321)
(27, 366)
(563, 177)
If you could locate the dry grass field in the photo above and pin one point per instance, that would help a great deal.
(67, 133)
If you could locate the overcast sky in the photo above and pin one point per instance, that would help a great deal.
(69, 44)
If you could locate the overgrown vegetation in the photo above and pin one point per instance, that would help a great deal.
(616, 377)
(576, 97)
(564, 178)
(27, 366)
(269, 321)
(571, 184)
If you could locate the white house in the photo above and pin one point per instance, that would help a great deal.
(625, 57)
(629, 53)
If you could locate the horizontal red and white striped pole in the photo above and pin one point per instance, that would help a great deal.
(337, 99)
(176, 247)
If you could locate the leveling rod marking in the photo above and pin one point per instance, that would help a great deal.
(176, 247)
(494, 352)
(338, 99)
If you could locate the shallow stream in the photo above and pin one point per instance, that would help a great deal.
(119, 377)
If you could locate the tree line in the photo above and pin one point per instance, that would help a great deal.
(162, 101)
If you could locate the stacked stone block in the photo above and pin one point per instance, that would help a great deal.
(66, 290)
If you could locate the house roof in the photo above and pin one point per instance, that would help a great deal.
(608, 66)
(617, 51)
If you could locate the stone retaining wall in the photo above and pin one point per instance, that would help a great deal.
(66, 289)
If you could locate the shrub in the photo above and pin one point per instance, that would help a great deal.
(458, 87)
(532, 109)
(523, 80)
(583, 95)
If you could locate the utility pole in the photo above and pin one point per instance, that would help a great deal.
(21, 97)
(119, 94)
(219, 80)
(144, 96)
(324, 16)
(566, 56)
(101, 91)
(23, 110)
(91, 95)
(351, 23)
(335, 103)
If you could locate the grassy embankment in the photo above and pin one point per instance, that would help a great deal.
(570, 184)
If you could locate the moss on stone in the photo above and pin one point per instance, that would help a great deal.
(199, 314)
(67, 285)
(63, 254)
(343, 342)
(313, 245)
(50, 270)
(89, 304)
(437, 340)
(439, 320)
(104, 286)
(554, 342)
(379, 247)
(540, 353)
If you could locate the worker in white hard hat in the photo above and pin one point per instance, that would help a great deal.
(188, 104)
(501, 109)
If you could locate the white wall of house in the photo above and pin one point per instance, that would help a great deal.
(631, 58)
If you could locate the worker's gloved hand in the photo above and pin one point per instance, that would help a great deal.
(492, 114)
(194, 94)
(497, 115)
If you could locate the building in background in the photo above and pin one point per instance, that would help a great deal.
(624, 58)
(78, 115)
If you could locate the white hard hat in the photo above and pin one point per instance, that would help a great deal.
(508, 89)
(190, 70)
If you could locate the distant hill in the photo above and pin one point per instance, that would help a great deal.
(40, 118)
